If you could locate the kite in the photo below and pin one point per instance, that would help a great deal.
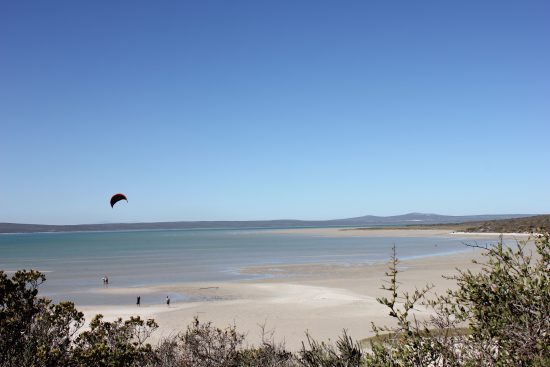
(116, 198)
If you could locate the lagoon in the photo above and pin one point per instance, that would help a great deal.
(74, 263)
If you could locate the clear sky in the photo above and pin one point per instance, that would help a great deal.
(215, 110)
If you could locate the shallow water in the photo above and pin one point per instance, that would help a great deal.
(74, 263)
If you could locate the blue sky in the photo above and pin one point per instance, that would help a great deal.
(215, 110)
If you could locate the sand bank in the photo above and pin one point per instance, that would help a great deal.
(318, 298)
(393, 232)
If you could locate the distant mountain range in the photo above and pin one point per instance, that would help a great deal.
(367, 220)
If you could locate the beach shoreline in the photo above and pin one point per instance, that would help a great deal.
(322, 299)
(394, 232)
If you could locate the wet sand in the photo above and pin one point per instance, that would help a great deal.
(318, 298)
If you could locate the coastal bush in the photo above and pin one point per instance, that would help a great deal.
(346, 353)
(33, 330)
(268, 354)
(497, 317)
(117, 344)
(204, 345)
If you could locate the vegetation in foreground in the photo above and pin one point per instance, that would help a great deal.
(497, 317)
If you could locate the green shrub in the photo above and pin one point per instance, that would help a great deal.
(115, 344)
(33, 330)
(505, 307)
(346, 353)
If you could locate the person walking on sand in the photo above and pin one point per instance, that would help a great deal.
(138, 302)
(168, 301)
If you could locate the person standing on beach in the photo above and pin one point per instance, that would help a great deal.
(168, 301)
(138, 302)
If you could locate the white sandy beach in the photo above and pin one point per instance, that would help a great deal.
(318, 298)
(398, 232)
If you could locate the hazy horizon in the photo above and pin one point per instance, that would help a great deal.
(305, 220)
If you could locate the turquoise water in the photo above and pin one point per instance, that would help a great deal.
(74, 263)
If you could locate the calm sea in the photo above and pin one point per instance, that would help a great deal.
(74, 263)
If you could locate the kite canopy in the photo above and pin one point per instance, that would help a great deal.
(116, 198)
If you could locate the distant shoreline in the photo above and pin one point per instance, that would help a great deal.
(401, 232)
(405, 220)
(192, 229)
(388, 230)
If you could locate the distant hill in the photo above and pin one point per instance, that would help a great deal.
(526, 224)
(424, 218)
(515, 225)
(368, 220)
